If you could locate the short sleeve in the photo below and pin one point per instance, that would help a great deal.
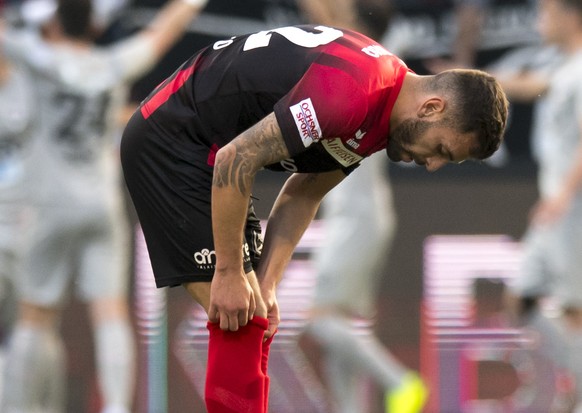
(326, 103)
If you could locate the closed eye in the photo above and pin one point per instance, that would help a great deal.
(445, 153)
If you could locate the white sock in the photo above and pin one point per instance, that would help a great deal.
(343, 383)
(552, 342)
(115, 350)
(34, 374)
(365, 354)
(574, 339)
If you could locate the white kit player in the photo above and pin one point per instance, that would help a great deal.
(16, 121)
(78, 225)
(553, 242)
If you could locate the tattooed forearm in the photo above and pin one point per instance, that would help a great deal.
(237, 163)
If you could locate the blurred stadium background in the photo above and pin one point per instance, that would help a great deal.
(475, 199)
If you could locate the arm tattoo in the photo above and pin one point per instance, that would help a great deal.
(261, 145)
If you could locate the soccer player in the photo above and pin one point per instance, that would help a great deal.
(310, 100)
(552, 260)
(78, 217)
(16, 123)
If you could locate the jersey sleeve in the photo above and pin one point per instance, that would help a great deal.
(326, 103)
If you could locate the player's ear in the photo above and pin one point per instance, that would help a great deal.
(432, 106)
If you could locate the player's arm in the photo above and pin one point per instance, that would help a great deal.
(235, 167)
(523, 87)
(293, 210)
(469, 18)
(170, 23)
(339, 13)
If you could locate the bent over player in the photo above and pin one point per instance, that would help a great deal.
(310, 100)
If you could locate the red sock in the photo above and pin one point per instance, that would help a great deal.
(264, 365)
(235, 382)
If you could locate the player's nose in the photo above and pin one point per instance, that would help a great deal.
(434, 164)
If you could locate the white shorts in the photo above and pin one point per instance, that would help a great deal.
(88, 247)
(552, 261)
(359, 224)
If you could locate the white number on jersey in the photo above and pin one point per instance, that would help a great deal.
(294, 34)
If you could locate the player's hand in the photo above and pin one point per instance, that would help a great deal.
(270, 299)
(232, 301)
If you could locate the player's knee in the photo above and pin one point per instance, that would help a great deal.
(109, 308)
(38, 315)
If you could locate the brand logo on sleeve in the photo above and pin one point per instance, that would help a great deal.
(375, 50)
(340, 153)
(355, 141)
(306, 121)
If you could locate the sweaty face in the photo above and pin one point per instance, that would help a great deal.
(429, 143)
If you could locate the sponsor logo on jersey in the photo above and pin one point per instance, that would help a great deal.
(340, 153)
(306, 121)
(354, 142)
(375, 50)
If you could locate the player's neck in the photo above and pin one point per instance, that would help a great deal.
(406, 103)
(53, 33)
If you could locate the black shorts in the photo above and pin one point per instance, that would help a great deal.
(169, 179)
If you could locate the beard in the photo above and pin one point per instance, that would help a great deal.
(407, 133)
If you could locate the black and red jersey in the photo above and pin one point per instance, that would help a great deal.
(332, 91)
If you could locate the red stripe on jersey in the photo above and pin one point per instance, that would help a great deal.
(162, 95)
(212, 154)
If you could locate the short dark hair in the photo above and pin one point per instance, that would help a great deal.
(478, 105)
(75, 18)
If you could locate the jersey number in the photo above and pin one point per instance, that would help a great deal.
(295, 35)
(76, 128)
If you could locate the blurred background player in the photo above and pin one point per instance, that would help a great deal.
(469, 20)
(16, 121)
(360, 222)
(78, 214)
(552, 262)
